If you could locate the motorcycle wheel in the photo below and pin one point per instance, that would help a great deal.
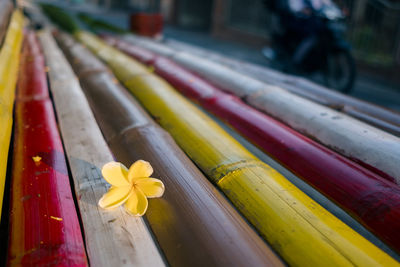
(340, 72)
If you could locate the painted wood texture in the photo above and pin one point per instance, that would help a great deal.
(372, 200)
(193, 223)
(367, 145)
(9, 60)
(300, 230)
(6, 8)
(113, 238)
(377, 116)
(44, 226)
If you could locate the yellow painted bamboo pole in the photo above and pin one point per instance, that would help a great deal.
(298, 228)
(9, 61)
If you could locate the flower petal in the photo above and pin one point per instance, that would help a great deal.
(115, 173)
(139, 169)
(151, 187)
(115, 197)
(137, 203)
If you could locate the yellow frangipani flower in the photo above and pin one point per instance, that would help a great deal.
(131, 187)
(37, 159)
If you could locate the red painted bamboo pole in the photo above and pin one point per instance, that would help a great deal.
(44, 227)
(372, 200)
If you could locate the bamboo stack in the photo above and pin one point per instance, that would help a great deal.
(9, 60)
(193, 223)
(372, 148)
(112, 238)
(299, 229)
(377, 116)
(44, 226)
(372, 200)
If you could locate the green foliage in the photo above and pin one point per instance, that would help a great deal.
(371, 47)
(96, 24)
(60, 17)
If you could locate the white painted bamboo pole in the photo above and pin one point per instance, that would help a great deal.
(153, 46)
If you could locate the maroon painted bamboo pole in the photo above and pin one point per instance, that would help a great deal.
(44, 226)
(372, 200)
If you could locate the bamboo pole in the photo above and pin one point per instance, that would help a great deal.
(113, 238)
(378, 115)
(193, 223)
(44, 226)
(301, 231)
(365, 116)
(372, 200)
(9, 60)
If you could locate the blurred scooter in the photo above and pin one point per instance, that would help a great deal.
(309, 39)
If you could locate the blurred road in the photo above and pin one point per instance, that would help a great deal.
(368, 88)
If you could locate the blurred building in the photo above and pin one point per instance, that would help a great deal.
(229, 19)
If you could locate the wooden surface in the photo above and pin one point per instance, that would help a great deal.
(372, 200)
(44, 226)
(193, 223)
(9, 60)
(113, 238)
(6, 8)
(372, 114)
(297, 227)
